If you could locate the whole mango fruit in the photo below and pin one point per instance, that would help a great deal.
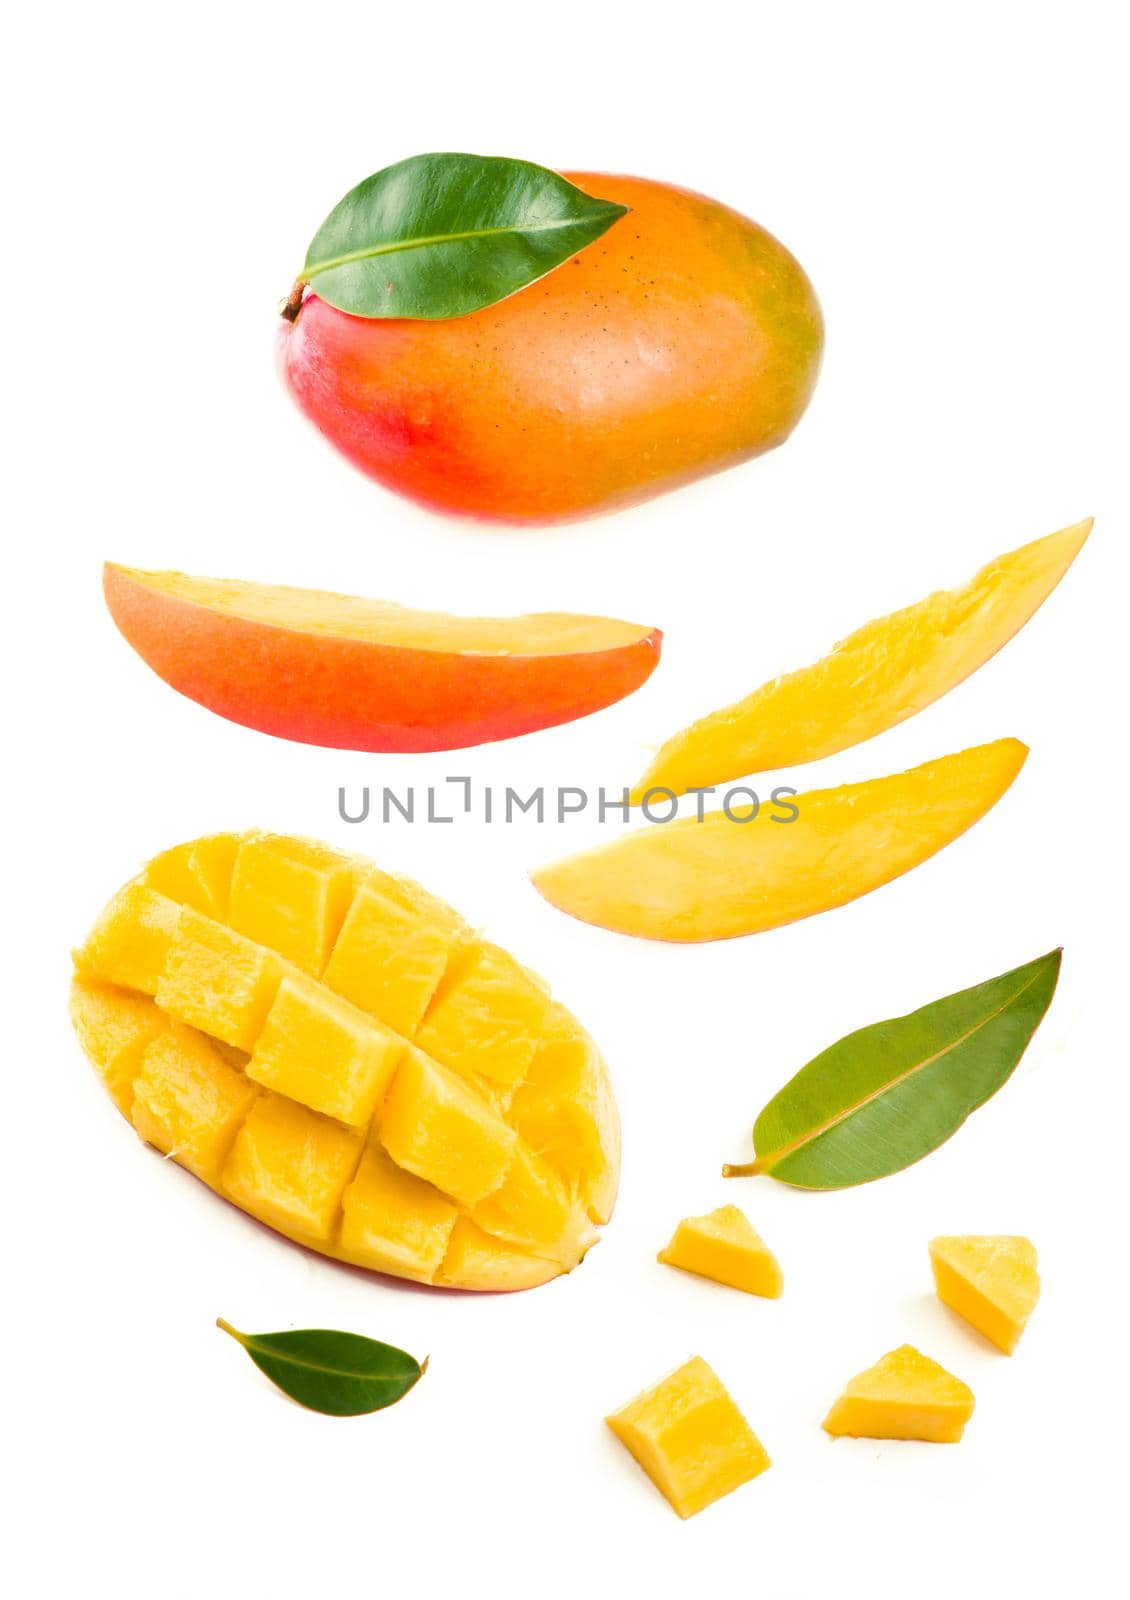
(685, 340)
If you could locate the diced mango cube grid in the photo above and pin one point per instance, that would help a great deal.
(340, 1055)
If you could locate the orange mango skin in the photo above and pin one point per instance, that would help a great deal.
(683, 341)
(354, 694)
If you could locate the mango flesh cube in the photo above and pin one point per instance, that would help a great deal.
(903, 1396)
(725, 1246)
(324, 1053)
(197, 874)
(292, 896)
(477, 1260)
(989, 1279)
(532, 1208)
(487, 1017)
(114, 1026)
(690, 1438)
(130, 942)
(188, 1102)
(290, 1167)
(394, 1222)
(436, 1127)
(390, 956)
(249, 1002)
(566, 1113)
(218, 981)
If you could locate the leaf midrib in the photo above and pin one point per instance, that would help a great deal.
(252, 1346)
(767, 1163)
(372, 251)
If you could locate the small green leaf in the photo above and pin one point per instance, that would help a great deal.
(885, 1096)
(442, 235)
(340, 1374)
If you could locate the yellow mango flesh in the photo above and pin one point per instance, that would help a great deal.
(690, 1438)
(688, 881)
(992, 1280)
(274, 1050)
(726, 1247)
(903, 1396)
(877, 677)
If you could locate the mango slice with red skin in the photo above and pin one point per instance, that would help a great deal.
(355, 674)
(878, 676)
(688, 881)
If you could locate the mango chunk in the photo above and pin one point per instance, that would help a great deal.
(488, 1018)
(197, 874)
(295, 1095)
(989, 1279)
(391, 953)
(130, 942)
(218, 981)
(435, 1126)
(903, 1396)
(565, 1111)
(690, 1438)
(394, 1222)
(188, 1102)
(477, 1260)
(114, 1027)
(725, 1246)
(290, 1167)
(885, 672)
(324, 1053)
(292, 896)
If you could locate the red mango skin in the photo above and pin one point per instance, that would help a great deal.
(685, 340)
(352, 694)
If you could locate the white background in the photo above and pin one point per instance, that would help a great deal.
(952, 177)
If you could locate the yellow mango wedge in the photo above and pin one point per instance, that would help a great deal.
(989, 1279)
(688, 881)
(690, 1438)
(903, 1396)
(875, 678)
(726, 1247)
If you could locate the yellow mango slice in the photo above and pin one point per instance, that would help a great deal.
(394, 1222)
(476, 1260)
(725, 1246)
(290, 1167)
(903, 1396)
(197, 874)
(989, 1279)
(218, 981)
(130, 942)
(296, 1096)
(434, 1125)
(392, 952)
(292, 896)
(565, 1112)
(690, 1438)
(321, 1051)
(487, 1017)
(188, 1102)
(114, 1026)
(875, 678)
(688, 881)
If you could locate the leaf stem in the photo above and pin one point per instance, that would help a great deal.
(290, 308)
(747, 1169)
(239, 1338)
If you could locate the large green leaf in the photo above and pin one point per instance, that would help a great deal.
(442, 235)
(887, 1095)
(341, 1374)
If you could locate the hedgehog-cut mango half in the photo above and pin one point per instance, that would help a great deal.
(336, 1052)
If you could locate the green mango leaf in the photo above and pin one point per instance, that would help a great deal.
(442, 235)
(885, 1096)
(340, 1374)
